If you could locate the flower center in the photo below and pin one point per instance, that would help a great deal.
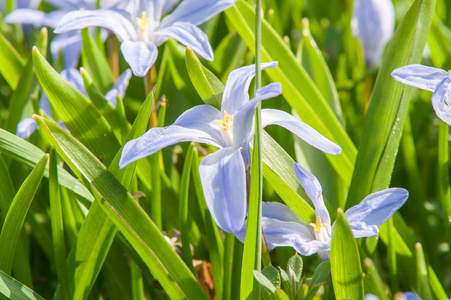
(227, 128)
(143, 23)
(320, 230)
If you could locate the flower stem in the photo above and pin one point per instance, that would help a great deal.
(443, 167)
(252, 246)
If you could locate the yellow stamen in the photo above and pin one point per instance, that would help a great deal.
(318, 226)
(227, 123)
(143, 22)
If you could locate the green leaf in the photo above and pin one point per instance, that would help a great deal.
(82, 119)
(264, 281)
(320, 275)
(389, 105)
(29, 155)
(13, 289)
(17, 213)
(296, 264)
(95, 63)
(346, 271)
(281, 295)
(11, 63)
(208, 87)
(273, 275)
(128, 216)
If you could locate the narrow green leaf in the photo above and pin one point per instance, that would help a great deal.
(389, 104)
(129, 218)
(95, 62)
(13, 289)
(17, 213)
(320, 275)
(29, 155)
(264, 281)
(56, 218)
(376, 286)
(424, 289)
(11, 63)
(208, 87)
(346, 271)
(281, 295)
(82, 119)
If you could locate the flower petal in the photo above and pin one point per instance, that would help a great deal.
(236, 90)
(26, 16)
(196, 11)
(299, 128)
(419, 76)
(195, 124)
(308, 248)
(276, 210)
(441, 100)
(224, 183)
(70, 44)
(375, 210)
(139, 56)
(73, 76)
(244, 118)
(188, 34)
(119, 87)
(115, 20)
(313, 189)
(26, 127)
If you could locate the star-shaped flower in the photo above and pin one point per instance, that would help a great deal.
(282, 227)
(141, 28)
(431, 79)
(223, 173)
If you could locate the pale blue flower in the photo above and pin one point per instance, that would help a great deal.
(431, 79)
(27, 126)
(282, 227)
(223, 173)
(70, 42)
(373, 22)
(141, 28)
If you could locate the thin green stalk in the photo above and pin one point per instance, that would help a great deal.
(229, 246)
(393, 272)
(423, 286)
(183, 209)
(443, 172)
(137, 281)
(250, 288)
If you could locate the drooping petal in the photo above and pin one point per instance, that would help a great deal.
(373, 23)
(237, 86)
(441, 100)
(375, 210)
(187, 34)
(196, 11)
(117, 21)
(243, 119)
(26, 16)
(313, 190)
(119, 87)
(299, 128)
(195, 124)
(70, 44)
(279, 233)
(139, 56)
(224, 183)
(26, 127)
(311, 247)
(419, 76)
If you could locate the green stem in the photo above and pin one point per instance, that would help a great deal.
(443, 172)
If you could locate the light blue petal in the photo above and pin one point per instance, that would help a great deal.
(313, 190)
(244, 119)
(224, 183)
(26, 16)
(237, 86)
(370, 297)
(311, 247)
(419, 76)
(375, 210)
(411, 296)
(70, 44)
(373, 23)
(276, 210)
(441, 100)
(299, 128)
(139, 56)
(26, 127)
(115, 20)
(196, 11)
(188, 34)
(73, 76)
(119, 87)
(195, 124)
